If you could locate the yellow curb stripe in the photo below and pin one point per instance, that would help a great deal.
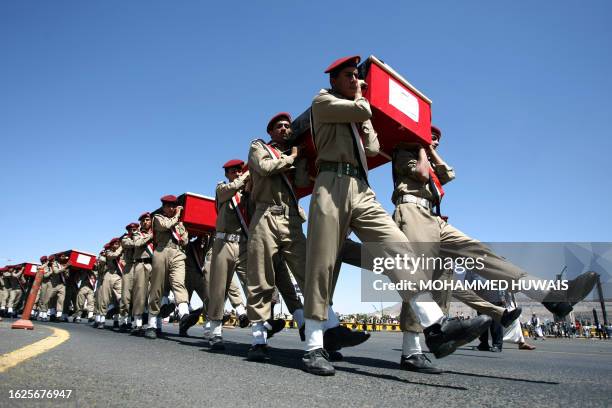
(13, 358)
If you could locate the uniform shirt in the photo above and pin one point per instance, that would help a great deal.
(58, 271)
(332, 117)
(227, 220)
(112, 257)
(46, 272)
(162, 227)
(101, 266)
(127, 243)
(407, 179)
(266, 176)
(141, 239)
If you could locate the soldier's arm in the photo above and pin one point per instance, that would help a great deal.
(142, 239)
(114, 254)
(261, 162)
(410, 163)
(225, 191)
(302, 177)
(444, 172)
(47, 271)
(329, 109)
(370, 142)
(165, 223)
(127, 242)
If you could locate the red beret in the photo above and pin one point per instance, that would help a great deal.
(112, 241)
(51, 257)
(106, 246)
(43, 258)
(436, 130)
(343, 62)
(233, 163)
(132, 225)
(168, 199)
(277, 117)
(144, 215)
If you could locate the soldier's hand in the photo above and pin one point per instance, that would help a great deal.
(179, 208)
(363, 85)
(294, 152)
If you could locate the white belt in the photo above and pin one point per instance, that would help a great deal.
(409, 198)
(229, 237)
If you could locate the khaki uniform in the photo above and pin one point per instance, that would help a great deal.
(168, 262)
(425, 229)
(197, 277)
(141, 270)
(111, 284)
(229, 252)
(56, 288)
(127, 279)
(101, 264)
(43, 287)
(4, 289)
(342, 202)
(275, 231)
(16, 293)
(86, 280)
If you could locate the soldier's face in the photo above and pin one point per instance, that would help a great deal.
(115, 246)
(145, 223)
(169, 209)
(435, 141)
(346, 83)
(280, 131)
(233, 173)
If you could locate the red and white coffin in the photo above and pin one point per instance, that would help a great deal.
(30, 269)
(400, 113)
(199, 213)
(79, 259)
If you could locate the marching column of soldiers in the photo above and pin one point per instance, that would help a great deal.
(154, 269)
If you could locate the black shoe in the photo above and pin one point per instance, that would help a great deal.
(188, 321)
(137, 331)
(243, 321)
(302, 332)
(109, 314)
(510, 316)
(560, 302)
(124, 328)
(419, 363)
(445, 337)
(337, 337)
(91, 320)
(76, 320)
(101, 325)
(560, 309)
(44, 319)
(335, 356)
(259, 352)
(150, 333)
(495, 349)
(159, 332)
(216, 343)
(166, 310)
(483, 347)
(115, 324)
(276, 326)
(317, 362)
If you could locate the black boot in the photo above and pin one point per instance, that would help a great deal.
(445, 337)
(317, 362)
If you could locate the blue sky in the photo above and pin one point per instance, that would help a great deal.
(106, 106)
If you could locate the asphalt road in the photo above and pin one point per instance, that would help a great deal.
(108, 369)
